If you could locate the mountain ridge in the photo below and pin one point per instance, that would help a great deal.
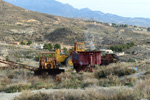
(59, 9)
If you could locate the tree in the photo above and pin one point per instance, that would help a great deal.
(45, 46)
(113, 24)
(112, 48)
(128, 46)
(120, 49)
(65, 50)
(148, 29)
(29, 42)
(132, 44)
(57, 46)
(125, 25)
(48, 46)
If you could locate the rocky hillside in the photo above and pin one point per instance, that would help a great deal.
(18, 24)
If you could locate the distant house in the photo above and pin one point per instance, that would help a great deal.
(120, 54)
(106, 51)
(38, 46)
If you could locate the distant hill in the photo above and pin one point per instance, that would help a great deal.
(56, 8)
(17, 24)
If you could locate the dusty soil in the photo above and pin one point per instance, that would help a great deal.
(3, 65)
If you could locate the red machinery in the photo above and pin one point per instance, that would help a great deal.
(109, 58)
(85, 60)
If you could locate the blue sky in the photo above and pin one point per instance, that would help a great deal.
(126, 8)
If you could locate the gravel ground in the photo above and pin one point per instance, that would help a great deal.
(8, 96)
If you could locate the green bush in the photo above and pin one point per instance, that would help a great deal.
(7, 58)
(29, 42)
(36, 58)
(128, 52)
(23, 42)
(131, 60)
(29, 57)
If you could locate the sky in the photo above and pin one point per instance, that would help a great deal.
(125, 8)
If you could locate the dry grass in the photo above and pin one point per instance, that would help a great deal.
(110, 81)
(89, 94)
(22, 79)
(120, 69)
(143, 86)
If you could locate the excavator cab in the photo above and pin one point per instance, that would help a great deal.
(79, 46)
(47, 61)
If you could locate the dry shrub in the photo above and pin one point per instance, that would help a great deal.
(114, 69)
(32, 83)
(69, 83)
(143, 88)
(22, 79)
(110, 81)
(87, 75)
(76, 80)
(147, 73)
(15, 87)
(90, 82)
(89, 94)
(130, 81)
(5, 80)
(66, 75)
(40, 82)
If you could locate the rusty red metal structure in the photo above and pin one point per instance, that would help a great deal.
(109, 58)
(85, 60)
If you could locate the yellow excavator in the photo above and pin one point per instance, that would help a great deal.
(47, 61)
(67, 59)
